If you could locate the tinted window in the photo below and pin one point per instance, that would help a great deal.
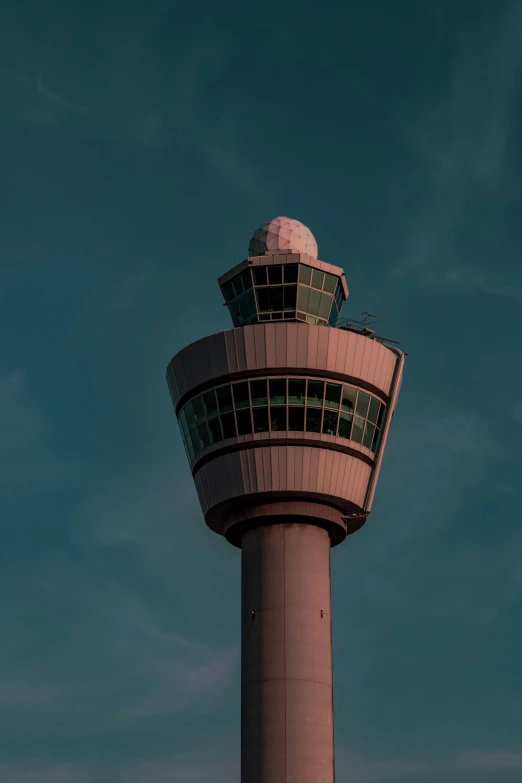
(204, 434)
(241, 398)
(296, 391)
(228, 291)
(259, 275)
(277, 390)
(333, 395)
(324, 305)
(247, 306)
(278, 418)
(373, 411)
(244, 423)
(215, 430)
(224, 397)
(381, 417)
(237, 282)
(296, 419)
(290, 271)
(260, 416)
(345, 425)
(329, 283)
(317, 278)
(229, 425)
(363, 401)
(305, 274)
(247, 279)
(357, 429)
(303, 295)
(315, 393)
(210, 403)
(275, 275)
(313, 420)
(289, 296)
(276, 298)
(330, 422)
(263, 299)
(258, 392)
(368, 435)
(197, 409)
(349, 395)
(313, 301)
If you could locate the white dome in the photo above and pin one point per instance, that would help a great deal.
(283, 233)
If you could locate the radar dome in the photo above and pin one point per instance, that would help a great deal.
(283, 233)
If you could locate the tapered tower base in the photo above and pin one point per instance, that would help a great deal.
(287, 733)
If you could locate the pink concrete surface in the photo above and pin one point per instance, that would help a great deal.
(286, 679)
(300, 347)
(329, 477)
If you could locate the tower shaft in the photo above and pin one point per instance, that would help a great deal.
(287, 733)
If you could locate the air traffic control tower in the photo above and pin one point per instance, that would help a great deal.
(285, 419)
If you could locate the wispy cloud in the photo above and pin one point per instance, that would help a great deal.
(354, 769)
(463, 144)
(40, 102)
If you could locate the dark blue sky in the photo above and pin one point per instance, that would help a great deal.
(141, 143)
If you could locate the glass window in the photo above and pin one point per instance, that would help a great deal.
(264, 317)
(315, 393)
(191, 421)
(358, 429)
(317, 279)
(376, 439)
(224, 397)
(290, 295)
(241, 398)
(325, 305)
(368, 435)
(229, 425)
(263, 299)
(228, 291)
(258, 392)
(247, 279)
(277, 316)
(310, 319)
(260, 416)
(210, 403)
(301, 316)
(296, 419)
(237, 282)
(349, 395)
(247, 305)
(381, 418)
(244, 422)
(330, 422)
(215, 430)
(275, 275)
(198, 409)
(313, 419)
(276, 298)
(278, 418)
(290, 271)
(190, 448)
(333, 395)
(290, 314)
(204, 434)
(345, 425)
(183, 423)
(259, 275)
(296, 391)
(234, 312)
(195, 439)
(313, 302)
(330, 281)
(373, 411)
(305, 273)
(302, 297)
(363, 400)
(277, 391)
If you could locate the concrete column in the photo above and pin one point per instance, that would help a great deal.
(286, 669)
